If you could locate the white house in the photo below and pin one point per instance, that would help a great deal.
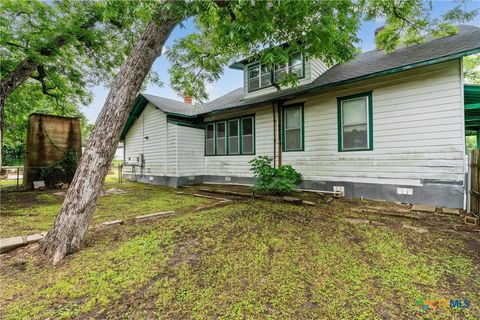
(383, 126)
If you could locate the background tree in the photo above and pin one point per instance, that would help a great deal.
(60, 49)
(471, 69)
(323, 29)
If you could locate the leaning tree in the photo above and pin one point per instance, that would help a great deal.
(319, 29)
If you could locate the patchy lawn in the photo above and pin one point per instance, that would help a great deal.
(253, 260)
(25, 213)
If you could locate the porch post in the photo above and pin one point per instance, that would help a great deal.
(478, 138)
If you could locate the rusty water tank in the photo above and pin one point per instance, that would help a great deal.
(49, 138)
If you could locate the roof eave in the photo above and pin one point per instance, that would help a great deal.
(236, 65)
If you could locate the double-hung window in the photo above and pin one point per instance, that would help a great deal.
(355, 122)
(248, 138)
(294, 66)
(293, 130)
(259, 76)
(230, 137)
(221, 138)
(210, 139)
(234, 136)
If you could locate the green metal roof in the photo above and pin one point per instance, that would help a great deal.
(471, 97)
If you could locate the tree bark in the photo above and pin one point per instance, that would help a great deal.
(67, 234)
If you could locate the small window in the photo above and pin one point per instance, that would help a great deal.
(233, 137)
(247, 136)
(293, 128)
(210, 140)
(259, 76)
(295, 65)
(266, 77)
(253, 78)
(355, 122)
(279, 72)
(221, 138)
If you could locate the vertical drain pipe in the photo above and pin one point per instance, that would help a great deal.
(274, 136)
(279, 111)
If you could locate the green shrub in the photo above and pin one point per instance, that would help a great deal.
(283, 179)
(61, 170)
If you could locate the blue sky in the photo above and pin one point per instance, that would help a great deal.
(232, 79)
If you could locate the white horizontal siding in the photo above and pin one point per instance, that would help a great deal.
(151, 124)
(190, 151)
(417, 131)
(172, 150)
(318, 68)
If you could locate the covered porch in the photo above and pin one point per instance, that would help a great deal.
(472, 111)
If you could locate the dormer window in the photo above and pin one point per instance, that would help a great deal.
(259, 77)
(295, 65)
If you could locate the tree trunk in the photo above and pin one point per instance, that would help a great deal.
(71, 224)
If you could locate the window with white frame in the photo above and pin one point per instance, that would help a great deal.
(221, 135)
(355, 122)
(248, 136)
(230, 137)
(293, 128)
(234, 136)
(259, 76)
(210, 139)
(294, 66)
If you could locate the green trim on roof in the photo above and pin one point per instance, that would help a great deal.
(137, 108)
(237, 66)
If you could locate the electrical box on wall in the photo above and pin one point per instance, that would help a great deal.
(339, 190)
(138, 160)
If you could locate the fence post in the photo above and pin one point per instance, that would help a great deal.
(469, 182)
(18, 176)
(120, 175)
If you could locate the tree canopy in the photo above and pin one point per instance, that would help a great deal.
(52, 53)
(269, 31)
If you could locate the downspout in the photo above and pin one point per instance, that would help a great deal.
(274, 136)
(279, 112)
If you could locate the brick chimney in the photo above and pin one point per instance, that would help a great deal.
(187, 99)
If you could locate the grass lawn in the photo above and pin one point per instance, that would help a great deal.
(251, 260)
(25, 213)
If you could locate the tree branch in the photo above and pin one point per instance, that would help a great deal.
(42, 74)
(13, 44)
